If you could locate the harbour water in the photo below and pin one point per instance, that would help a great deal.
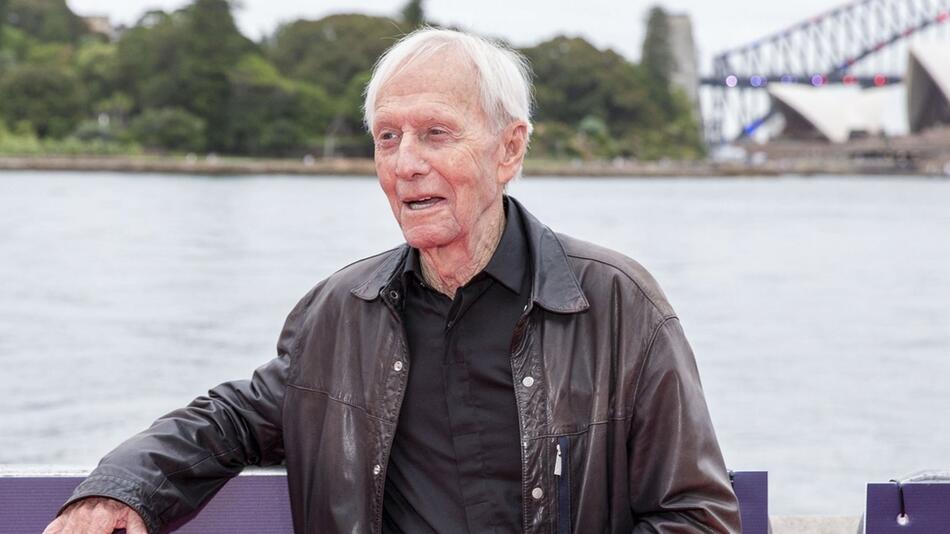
(818, 308)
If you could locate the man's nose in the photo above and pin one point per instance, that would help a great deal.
(410, 159)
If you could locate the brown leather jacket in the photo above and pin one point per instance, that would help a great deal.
(615, 432)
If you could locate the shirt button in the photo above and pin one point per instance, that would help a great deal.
(377, 469)
(397, 366)
(394, 294)
(527, 381)
(537, 493)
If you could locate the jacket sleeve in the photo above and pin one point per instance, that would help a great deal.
(186, 456)
(678, 481)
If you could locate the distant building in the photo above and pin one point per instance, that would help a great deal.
(928, 86)
(834, 114)
(100, 25)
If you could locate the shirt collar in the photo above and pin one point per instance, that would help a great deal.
(554, 285)
(507, 264)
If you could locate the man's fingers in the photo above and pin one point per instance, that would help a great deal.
(94, 515)
(104, 519)
(97, 515)
(74, 520)
(72, 517)
(135, 525)
(55, 527)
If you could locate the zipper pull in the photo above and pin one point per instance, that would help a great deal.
(557, 462)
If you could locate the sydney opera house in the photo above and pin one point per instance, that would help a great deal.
(928, 87)
(839, 114)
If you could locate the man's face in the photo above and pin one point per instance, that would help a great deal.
(437, 158)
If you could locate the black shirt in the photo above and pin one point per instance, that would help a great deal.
(455, 464)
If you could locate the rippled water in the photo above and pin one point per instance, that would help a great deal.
(819, 309)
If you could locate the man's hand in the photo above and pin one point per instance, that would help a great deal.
(97, 515)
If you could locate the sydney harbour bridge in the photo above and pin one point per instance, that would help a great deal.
(820, 75)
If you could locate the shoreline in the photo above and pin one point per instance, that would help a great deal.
(216, 166)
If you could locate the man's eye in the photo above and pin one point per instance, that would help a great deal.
(437, 131)
(386, 136)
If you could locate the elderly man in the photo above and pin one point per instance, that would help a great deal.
(488, 376)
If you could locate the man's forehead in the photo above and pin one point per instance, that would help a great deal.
(441, 71)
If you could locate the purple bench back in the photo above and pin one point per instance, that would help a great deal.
(926, 505)
(252, 504)
(752, 490)
(245, 505)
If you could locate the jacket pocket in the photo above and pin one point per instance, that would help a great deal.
(562, 472)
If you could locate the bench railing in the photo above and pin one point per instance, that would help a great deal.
(255, 502)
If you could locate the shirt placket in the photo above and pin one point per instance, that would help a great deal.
(463, 415)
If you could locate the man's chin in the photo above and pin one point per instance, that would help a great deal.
(425, 239)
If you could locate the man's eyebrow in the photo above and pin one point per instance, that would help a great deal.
(381, 121)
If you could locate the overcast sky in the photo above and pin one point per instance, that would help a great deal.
(617, 24)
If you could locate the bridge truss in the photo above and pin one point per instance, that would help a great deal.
(862, 43)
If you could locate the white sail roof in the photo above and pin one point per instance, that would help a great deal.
(928, 66)
(835, 112)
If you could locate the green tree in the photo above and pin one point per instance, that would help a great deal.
(657, 59)
(657, 54)
(281, 137)
(4, 10)
(148, 59)
(211, 46)
(575, 82)
(118, 107)
(345, 135)
(413, 15)
(271, 114)
(679, 129)
(555, 139)
(336, 54)
(183, 60)
(46, 20)
(612, 106)
(46, 98)
(331, 51)
(97, 66)
(169, 129)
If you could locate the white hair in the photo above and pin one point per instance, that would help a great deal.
(503, 75)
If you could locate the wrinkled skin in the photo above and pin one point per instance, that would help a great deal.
(97, 515)
(434, 140)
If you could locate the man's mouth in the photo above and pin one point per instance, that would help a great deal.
(423, 203)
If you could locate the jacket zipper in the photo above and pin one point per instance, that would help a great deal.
(562, 471)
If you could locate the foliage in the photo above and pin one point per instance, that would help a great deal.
(47, 99)
(555, 139)
(183, 60)
(606, 106)
(24, 142)
(657, 56)
(336, 54)
(4, 11)
(16, 45)
(210, 47)
(169, 129)
(413, 15)
(271, 114)
(188, 80)
(331, 51)
(46, 20)
(96, 64)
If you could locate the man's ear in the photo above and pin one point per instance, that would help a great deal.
(514, 145)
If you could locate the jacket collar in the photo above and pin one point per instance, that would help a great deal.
(554, 285)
